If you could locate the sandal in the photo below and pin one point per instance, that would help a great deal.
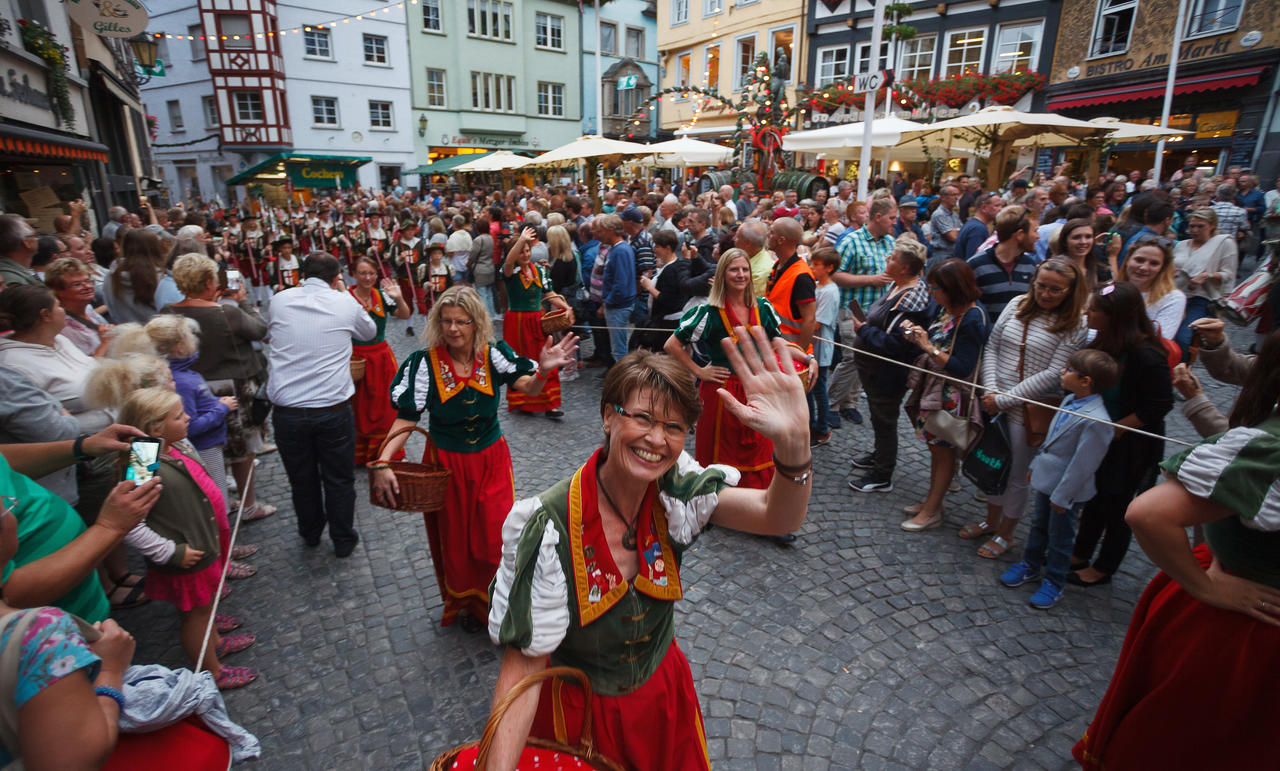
(133, 596)
(234, 644)
(235, 677)
(244, 551)
(257, 511)
(225, 591)
(977, 530)
(224, 623)
(239, 570)
(994, 548)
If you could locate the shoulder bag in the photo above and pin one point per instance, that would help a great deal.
(260, 409)
(959, 431)
(1035, 418)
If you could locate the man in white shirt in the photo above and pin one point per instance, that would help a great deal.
(311, 330)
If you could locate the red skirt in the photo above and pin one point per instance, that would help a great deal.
(721, 437)
(371, 403)
(466, 537)
(188, 591)
(523, 332)
(1195, 687)
(655, 728)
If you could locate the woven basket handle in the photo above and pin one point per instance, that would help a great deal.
(405, 430)
(585, 741)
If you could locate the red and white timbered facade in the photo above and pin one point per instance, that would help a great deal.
(242, 40)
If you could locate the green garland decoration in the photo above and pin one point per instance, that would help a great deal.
(42, 43)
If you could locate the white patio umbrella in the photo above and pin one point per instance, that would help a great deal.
(496, 161)
(836, 141)
(684, 151)
(999, 127)
(1119, 132)
(588, 146)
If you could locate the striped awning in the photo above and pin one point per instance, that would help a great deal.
(56, 149)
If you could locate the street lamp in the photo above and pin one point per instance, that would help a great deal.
(145, 49)
(422, 125)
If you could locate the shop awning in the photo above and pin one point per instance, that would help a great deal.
(22, 141)
(446, 165)
(1213, 81)
(304, 170)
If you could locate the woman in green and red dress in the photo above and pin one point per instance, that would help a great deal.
(456, 379)
(374, 413)
(528, 284)
(721, 437)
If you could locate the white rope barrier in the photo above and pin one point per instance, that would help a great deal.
(226, 566)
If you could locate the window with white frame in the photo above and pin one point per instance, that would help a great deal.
(712, 7)
(833, 64)
(248, 106)
(744, 57)
(711, 67)
(375, 49)
(490, 19)
(209, 106)
(1017, 46)
(915, 58)
(236, 30)
(862, 64)
(324, 111)
(621, 102)
(175, 116)
(551, 99)
(783, 38)
(1112, 27)
(432, 19)
(635, 43)
(679, 12)
(608, 38)
(379, 114)
(964, 51)
(549, 31)
(315, 43)
(1210, 17)
(494, 93)
(435, 88)
(682, 69)
(195, 33)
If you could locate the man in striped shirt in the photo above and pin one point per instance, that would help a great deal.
(864, 253)
(1005, 270)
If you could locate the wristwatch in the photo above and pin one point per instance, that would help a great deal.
(935, 353)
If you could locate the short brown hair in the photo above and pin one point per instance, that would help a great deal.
(669, 381)
(1010, 221)
(1096, 365)
(826, 255)
(881, 206)
(956, 280)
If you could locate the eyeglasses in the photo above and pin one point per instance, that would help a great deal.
(1160, 241)
(460, 323)
(78, 284)
(1072, 371)
(1040, 286)
(645, 422)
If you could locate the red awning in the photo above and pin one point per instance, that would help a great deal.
(1155, 89)
(50, 149)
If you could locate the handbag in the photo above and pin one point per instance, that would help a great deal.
(260, 407)
(1246, 301)
(1035, 418)
(959, 431)
(987, 465)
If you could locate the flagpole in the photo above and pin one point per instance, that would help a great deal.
(599, 90)
(869, 107)
(1168, 86)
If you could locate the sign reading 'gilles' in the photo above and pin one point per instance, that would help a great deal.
(109, 18)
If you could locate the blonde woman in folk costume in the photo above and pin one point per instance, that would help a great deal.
(456, 380)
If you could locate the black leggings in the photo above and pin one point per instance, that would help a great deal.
(1103, 519)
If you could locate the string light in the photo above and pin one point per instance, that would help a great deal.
(295, 30)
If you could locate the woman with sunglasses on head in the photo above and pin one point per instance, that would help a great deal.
(1026, 351)
(456, 378)
(591, 567)
(1140, 400)
(1149, 267)
(1204, 269)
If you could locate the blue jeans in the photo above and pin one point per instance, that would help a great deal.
(819, 407)
(317, 447)
(490, 303)
(1050, 540)
(1197, 308)
(619, 319)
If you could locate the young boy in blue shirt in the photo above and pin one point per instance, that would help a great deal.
(1062, 475)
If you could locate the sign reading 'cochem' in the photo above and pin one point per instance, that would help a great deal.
(109, 18)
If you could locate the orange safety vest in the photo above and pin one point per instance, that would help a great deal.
(779, 294)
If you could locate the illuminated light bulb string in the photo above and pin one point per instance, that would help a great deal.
(386, 9)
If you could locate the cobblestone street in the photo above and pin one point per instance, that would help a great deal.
(860, 647)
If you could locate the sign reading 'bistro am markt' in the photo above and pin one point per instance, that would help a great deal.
(109, 18)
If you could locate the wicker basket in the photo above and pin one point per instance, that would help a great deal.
(584, 751)
(556, 321)
(358, 367)
(422, 486)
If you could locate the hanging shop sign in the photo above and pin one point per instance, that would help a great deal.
(109, 18)
(322, 176)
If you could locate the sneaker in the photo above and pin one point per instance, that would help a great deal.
(1046, 596)
(852, 415)
(865, 461)
(1018, 574)
(872, 484)
(816, 439)
(833, 421)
